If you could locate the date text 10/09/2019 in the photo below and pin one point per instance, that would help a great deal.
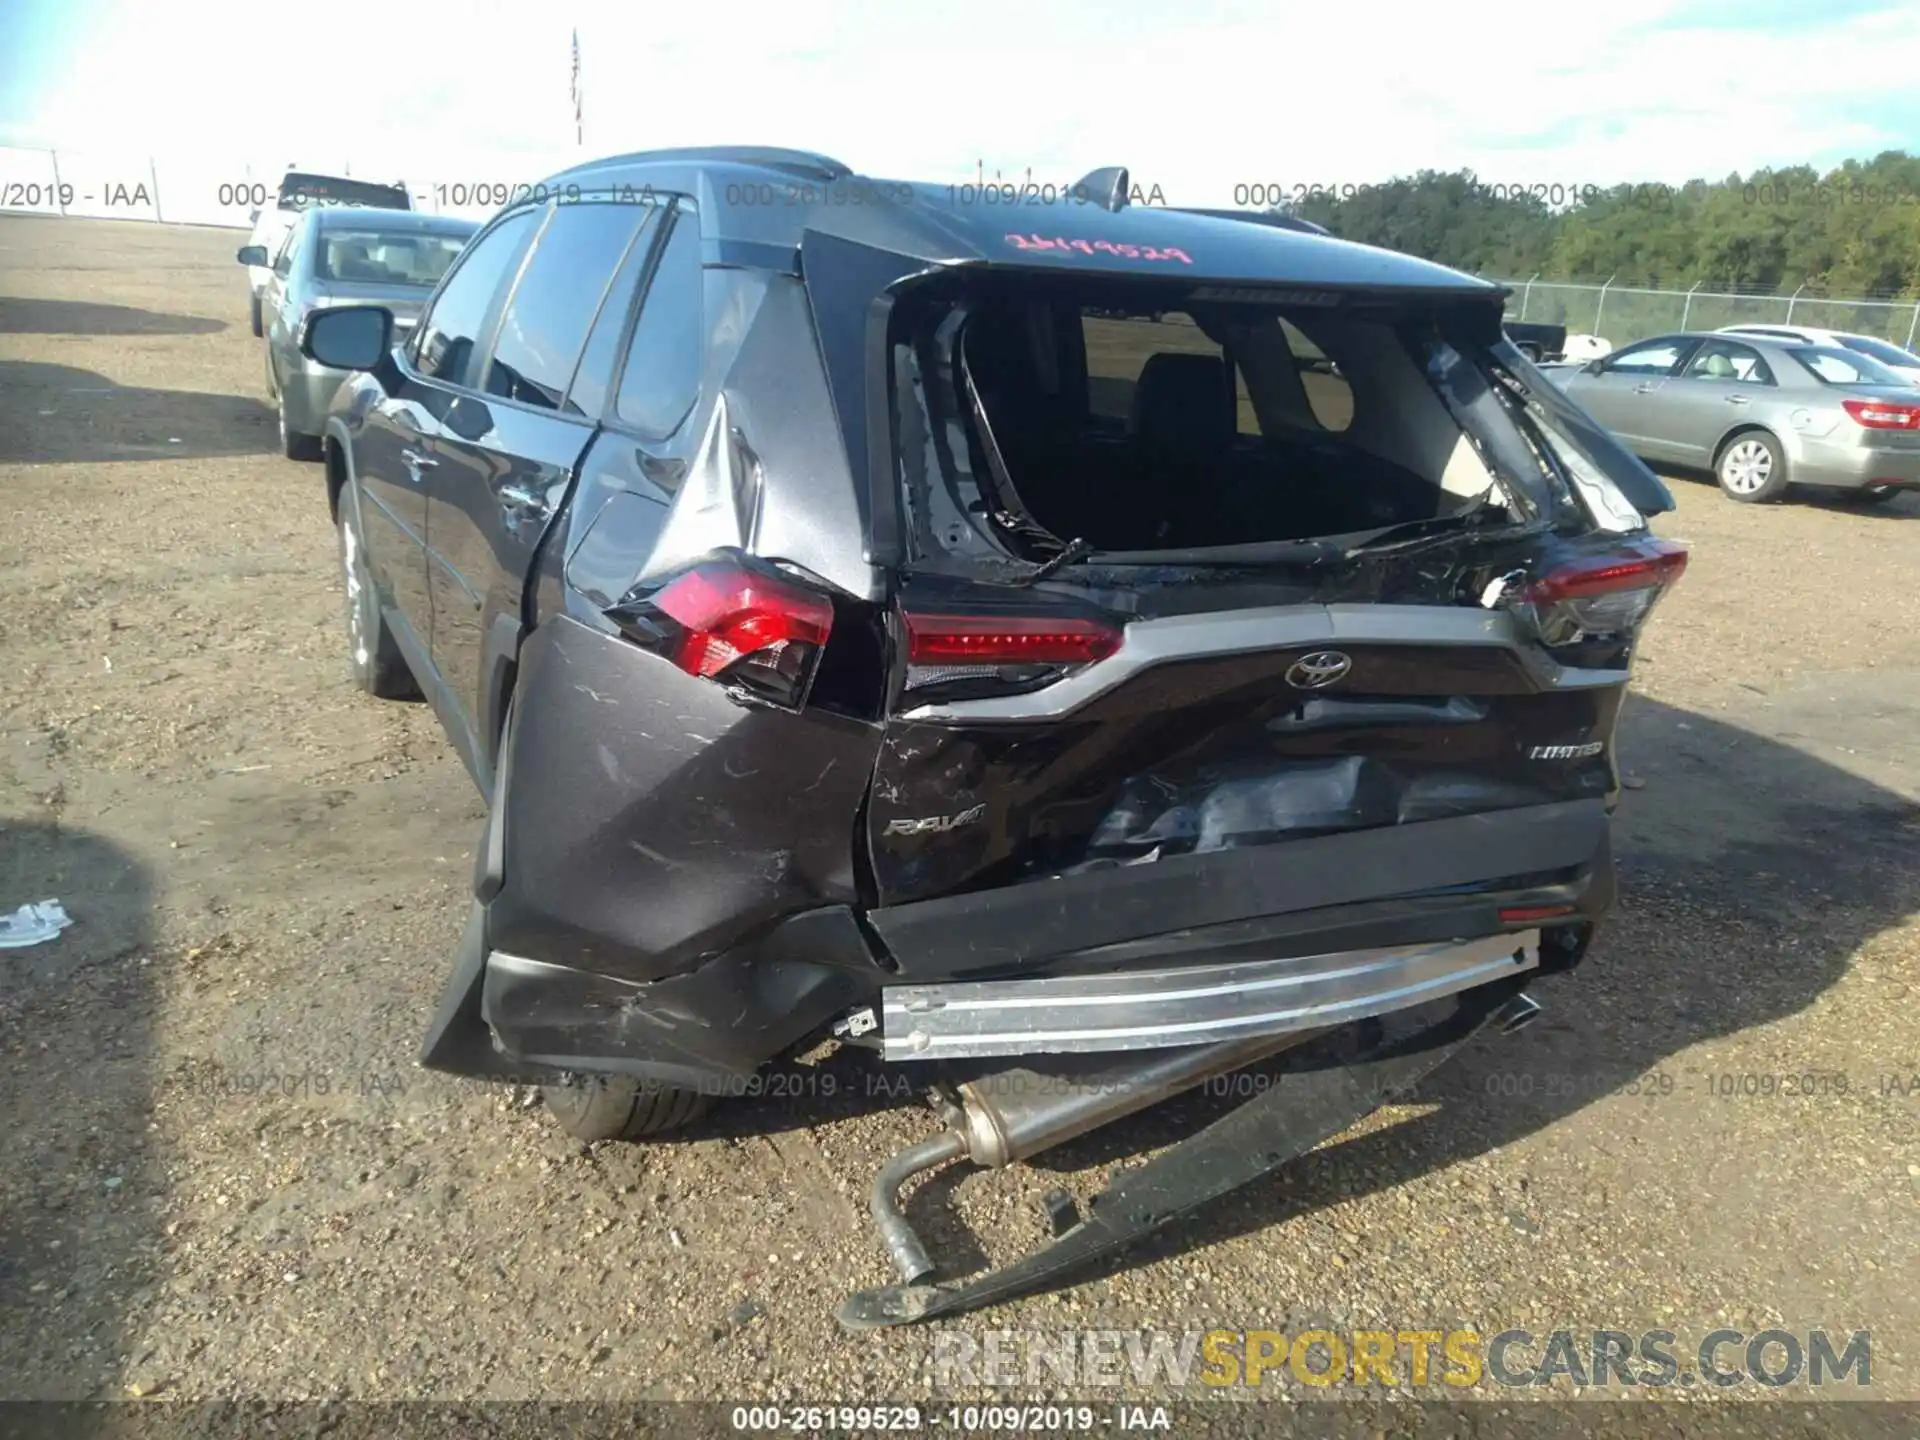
(969, 1419)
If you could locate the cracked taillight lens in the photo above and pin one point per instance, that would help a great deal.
(1606, 594)
(742, 626)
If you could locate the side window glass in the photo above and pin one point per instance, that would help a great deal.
(593, 379)
(661, 378)
(555, 300)
(444, 349)
(283, 263)
(1652, 359)
(1724, 360)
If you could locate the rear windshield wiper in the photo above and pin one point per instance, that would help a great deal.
(1075, 552)
(1480, 516)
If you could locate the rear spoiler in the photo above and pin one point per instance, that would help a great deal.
(1271, 218)
(1108, 188)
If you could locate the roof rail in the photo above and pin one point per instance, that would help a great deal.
(769, 157)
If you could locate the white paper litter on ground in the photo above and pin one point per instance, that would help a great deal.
(33, 924)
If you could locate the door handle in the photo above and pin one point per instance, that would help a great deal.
(1643, 389)
(1736, 399)
(415, 463)
(516, 497)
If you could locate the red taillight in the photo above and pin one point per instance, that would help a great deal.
(1610, 593)
(1528, 914)
(722, 620)
(1883, 414)
(730, 614)
(1007, 640)
(1645, 564)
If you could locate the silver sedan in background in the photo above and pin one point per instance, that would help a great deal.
(343, 256)
(1760, 414)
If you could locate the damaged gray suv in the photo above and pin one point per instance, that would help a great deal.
(1071, 647)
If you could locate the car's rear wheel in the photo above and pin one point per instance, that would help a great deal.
(1751, 468)
(378, 666)
(259, 325)
(619, 1107)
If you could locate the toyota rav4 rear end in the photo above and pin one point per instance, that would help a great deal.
(1256, 661)
(1078, 629)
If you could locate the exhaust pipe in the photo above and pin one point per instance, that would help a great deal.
(1014, 1114)
(1516, 1015)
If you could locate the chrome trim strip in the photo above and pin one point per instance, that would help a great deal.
(1146, 643)
(1191, 1005)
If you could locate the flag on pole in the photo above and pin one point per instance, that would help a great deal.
(577, 129)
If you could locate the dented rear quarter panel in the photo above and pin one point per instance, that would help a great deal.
(653, 821)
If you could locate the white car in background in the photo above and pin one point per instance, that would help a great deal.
(1903, 363)
(298, 190)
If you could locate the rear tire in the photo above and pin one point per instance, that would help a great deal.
(378, 666)
(619, 1107)
(1751, 468)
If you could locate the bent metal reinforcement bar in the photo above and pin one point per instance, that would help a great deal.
(1299, 1111)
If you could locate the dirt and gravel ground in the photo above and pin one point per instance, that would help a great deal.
(222, 1174)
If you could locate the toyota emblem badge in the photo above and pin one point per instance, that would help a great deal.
(1318, 670)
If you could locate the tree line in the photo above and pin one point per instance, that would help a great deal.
(1852, 231)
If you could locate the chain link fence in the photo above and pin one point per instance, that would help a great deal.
(1625, 313)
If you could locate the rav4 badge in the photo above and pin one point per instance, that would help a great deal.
(936, 824)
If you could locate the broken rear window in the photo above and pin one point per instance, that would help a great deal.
(1055, 416)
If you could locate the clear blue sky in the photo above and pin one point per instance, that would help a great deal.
(1196, 95)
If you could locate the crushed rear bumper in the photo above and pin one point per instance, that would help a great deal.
(1296, 935)
(1195, 1005)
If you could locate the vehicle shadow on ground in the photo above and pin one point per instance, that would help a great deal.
(1750, 873)
(1903, 506)
(22, 316)
(80, 1192)
(62, 415)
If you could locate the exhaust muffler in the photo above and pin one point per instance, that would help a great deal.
(1008, 1115)
(1011, 1115)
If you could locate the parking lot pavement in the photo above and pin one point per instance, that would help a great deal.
(224, 1175)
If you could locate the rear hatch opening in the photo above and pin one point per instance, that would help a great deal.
(1110, 419)
(1191, 569)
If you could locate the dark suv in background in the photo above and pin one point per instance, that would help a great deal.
(977, 629)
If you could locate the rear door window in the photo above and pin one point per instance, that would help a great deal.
(554, 301)
(444, 343)
(593, 377)
(1654, 357)
(1725, 360)
(661, 379)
